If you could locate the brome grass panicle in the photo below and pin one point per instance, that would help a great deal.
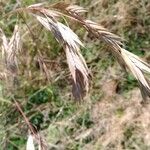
(48, 17)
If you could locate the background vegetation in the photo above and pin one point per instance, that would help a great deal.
(110, 117)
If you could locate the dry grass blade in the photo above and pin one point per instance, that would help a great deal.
(71, 44)
(79, 72)
(34, 139)
(4, 42)
(76, 9)
(101, 32)
(10, 50)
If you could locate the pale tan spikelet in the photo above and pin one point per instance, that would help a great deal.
(60, 6)
(79, 73)
(92, 27)
(145, 67)
(101, 33)
(34, 139)
(30, 143)
(76, 62)
(137, 67)
(42, 11)
(15, 39)
(71, 43)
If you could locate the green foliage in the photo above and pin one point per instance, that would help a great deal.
(132, 141)
(85, 120)
(42, 96)
(15, 143)
(128, 84)
(137, 43)
(119, 112)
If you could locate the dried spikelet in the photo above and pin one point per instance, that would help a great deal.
(36, 5)
(4, 42)
(125, 58)
(100, 32)
(75, 9)
(60, 5)
(10, 50)
(3, 76)
(13, 49)
(30, 143)
(34, 139)
(43, 66)
(71, 44)
(72, 9)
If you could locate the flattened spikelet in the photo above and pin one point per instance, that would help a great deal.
(36, 139)
(4, 42)
(79, 73)
(137, 67)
